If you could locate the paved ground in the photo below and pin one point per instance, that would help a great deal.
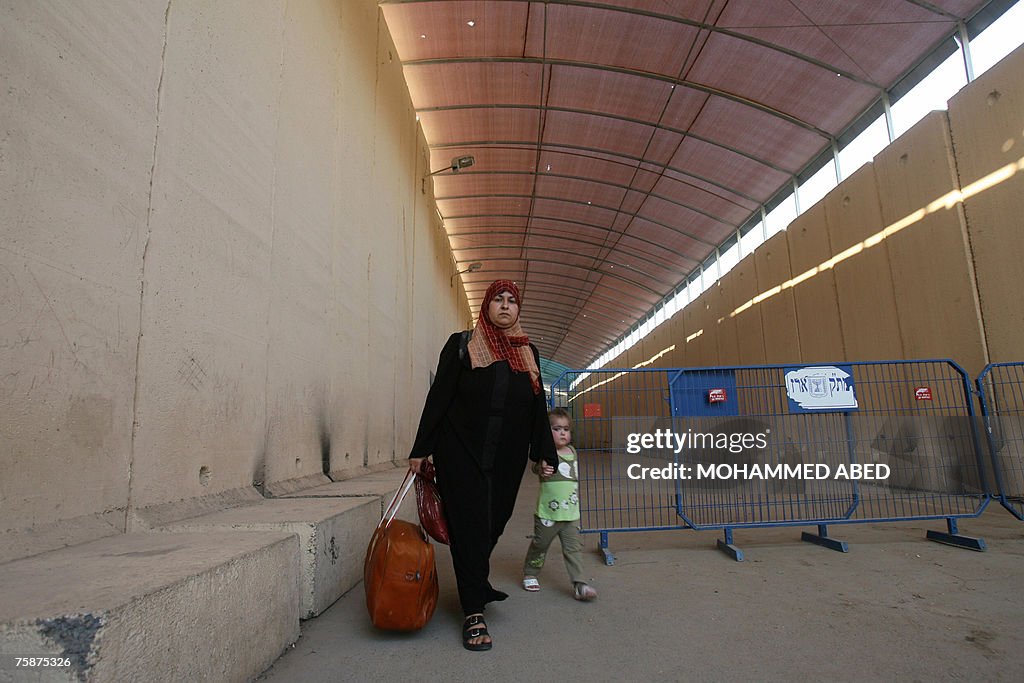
(897, 606)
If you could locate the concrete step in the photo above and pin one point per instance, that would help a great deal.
(333, 534)
(212, 606)
(381, 485)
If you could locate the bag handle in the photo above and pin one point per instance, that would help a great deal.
(396, 502)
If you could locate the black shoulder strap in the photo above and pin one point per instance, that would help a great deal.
(464, 344)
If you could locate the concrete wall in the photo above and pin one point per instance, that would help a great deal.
(916, 255)
(219, 267)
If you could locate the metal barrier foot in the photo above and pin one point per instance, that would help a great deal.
(955, 539)
(822, 538)
(609, 558)
(728, 548)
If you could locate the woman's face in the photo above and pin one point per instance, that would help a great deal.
(503, 310)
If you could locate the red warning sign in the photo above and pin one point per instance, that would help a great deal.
(716, 396)
(923, 393)
(591, 410)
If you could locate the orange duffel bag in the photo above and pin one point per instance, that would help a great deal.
(399, 574)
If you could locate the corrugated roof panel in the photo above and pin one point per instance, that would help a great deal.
(617, 143)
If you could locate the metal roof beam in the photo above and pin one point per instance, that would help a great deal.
(574, 277)
(629, 188)
(565, 238)
(636, 214)
(559, 291)
(549, 233)
(671, 228)
(692, 85)
(514, 145)
(704, 26)
(552, 250)
(614, 117)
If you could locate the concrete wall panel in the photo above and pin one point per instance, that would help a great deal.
(76, 148)
(393, 164)
(705, 345)
(725, 325)
(676, 337)
(657, 348)
(689, 326)
(778, 308)
(931, 267)
(994, 211)
(301, 298)
(749, 331)
(377, 210)
(817, 307)
(864, 286)
(203, 356)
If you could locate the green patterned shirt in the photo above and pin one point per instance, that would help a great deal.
(559, 499)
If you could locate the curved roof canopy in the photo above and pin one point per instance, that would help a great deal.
(616, 144)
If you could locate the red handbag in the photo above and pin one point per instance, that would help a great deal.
(429, 505)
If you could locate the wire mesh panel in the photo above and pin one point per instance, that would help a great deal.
(746, 460)
(606, 406)
(1002, 401)
(917, 419)
(773, 445)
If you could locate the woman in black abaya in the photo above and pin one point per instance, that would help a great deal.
(484, 415)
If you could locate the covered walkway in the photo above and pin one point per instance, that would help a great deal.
(228, 261)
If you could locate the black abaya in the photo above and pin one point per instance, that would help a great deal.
(480, 425)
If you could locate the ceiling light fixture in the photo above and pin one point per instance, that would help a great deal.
(473, 267)
(471, 23)
(458, 163)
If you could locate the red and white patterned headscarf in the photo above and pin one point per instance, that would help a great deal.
(490, 343)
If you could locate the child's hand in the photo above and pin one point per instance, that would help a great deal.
(546, 470)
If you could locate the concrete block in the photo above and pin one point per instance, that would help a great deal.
(277, 489)
(934, 453)
(42, 538)
(156, 516)
(333, 534)
(382, 485)
(153, 607)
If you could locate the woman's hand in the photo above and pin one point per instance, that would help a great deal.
(415, 463)
(546, 470)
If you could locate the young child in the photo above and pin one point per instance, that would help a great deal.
(558, 513)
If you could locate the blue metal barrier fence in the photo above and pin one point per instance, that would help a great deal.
(775, 445)
(1001, 388)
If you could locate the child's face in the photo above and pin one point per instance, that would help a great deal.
(560, 431)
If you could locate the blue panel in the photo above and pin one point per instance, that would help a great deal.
(690, 393)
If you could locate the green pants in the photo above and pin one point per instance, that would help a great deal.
(572, 545)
